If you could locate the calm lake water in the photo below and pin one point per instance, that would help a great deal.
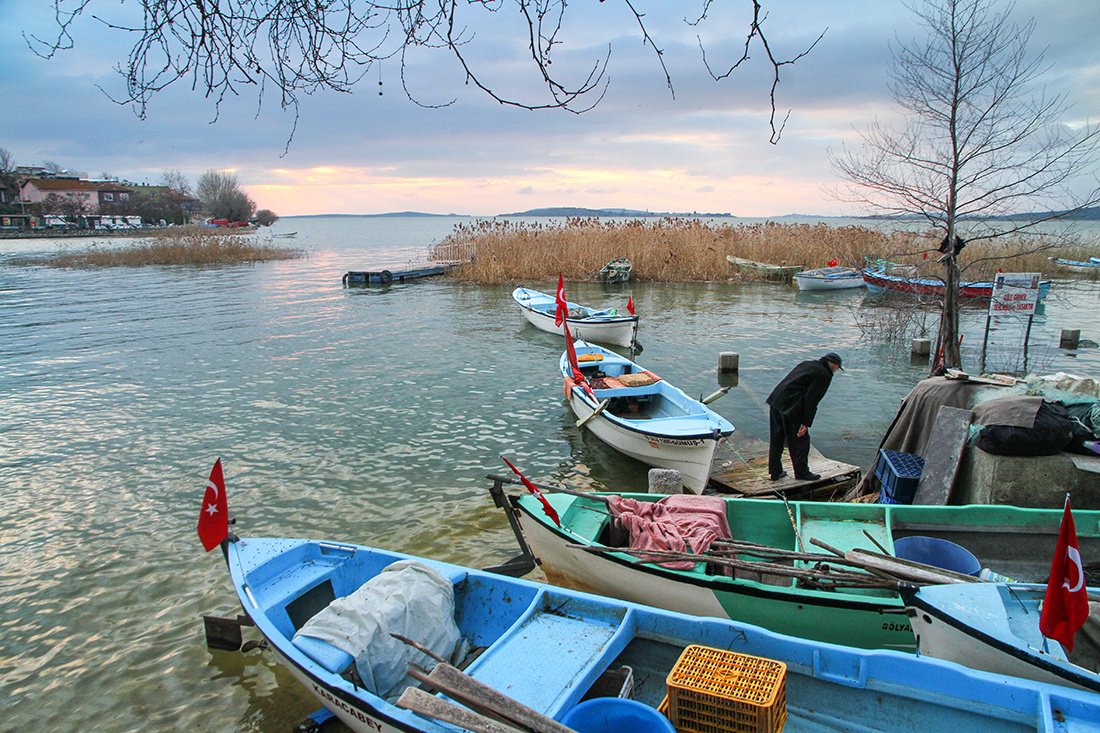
(367, 415)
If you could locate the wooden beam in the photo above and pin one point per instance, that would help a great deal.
(437, 708)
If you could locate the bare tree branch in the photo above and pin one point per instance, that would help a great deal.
(228, 48)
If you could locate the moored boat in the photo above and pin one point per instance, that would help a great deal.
(774, 555)
(992, 627)
(640, 414)
(535, 651)
(617, 270)
(878, 281)
(829, 278)
(1091, 266)
(601, 325)
(764, 269)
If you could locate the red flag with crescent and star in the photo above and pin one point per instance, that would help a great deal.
(214, 517)
(571, 354)
(563, 306)
(1067, 603)
(550, 511)
(630, 305)
(833, 262)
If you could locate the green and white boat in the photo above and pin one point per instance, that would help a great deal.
(790, 587)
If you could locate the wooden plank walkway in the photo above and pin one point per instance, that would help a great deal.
(741, 467)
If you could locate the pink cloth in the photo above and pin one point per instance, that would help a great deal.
(675, 523)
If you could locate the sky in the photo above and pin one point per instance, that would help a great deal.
(703, 148)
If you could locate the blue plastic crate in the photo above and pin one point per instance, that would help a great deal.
(899, 474)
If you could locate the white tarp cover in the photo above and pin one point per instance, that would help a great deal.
(406, 598)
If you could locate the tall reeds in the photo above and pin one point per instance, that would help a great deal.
(674, 249)
(182, 246)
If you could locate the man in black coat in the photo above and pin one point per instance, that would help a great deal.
(793, 406)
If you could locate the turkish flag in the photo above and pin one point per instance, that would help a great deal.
(571, 353)
(833, 262)
(630, 305)
(214, 517)
(1067, 603)
(550, 511)
(563, 307)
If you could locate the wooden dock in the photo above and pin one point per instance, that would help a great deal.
(741, 468)
(385, 277)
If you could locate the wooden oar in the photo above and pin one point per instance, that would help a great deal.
(597, 411)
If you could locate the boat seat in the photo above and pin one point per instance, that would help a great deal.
(594, 632)
(325, 654)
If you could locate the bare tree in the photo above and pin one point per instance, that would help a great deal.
(978, 142)
(298, 48)
(176, 181)
(223, 198)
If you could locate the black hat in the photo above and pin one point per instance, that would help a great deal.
(833, 358)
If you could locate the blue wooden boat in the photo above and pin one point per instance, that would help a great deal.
(537, 650)
(637, 413)
(385, 277)
(992, 627)
(590, 324)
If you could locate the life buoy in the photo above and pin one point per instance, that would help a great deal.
(386, 277)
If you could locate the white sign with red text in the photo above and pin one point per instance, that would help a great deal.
(1015, 292)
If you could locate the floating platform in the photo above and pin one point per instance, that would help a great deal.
(385, 277)
(741, 467)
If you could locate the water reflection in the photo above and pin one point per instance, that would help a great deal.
(360, 414)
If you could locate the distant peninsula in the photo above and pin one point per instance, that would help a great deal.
(577, 211)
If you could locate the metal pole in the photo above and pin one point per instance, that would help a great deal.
(1027, 336)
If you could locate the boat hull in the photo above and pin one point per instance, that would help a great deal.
(878, 282)
(820, 280)
(540, 311)
(674, 431)
(945, 630)
(690, 455)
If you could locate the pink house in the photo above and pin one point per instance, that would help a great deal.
(38, 189)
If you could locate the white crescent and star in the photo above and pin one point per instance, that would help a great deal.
(1075, 558)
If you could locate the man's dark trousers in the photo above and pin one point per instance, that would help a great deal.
(784, 429)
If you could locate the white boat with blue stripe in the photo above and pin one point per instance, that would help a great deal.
(637, 413)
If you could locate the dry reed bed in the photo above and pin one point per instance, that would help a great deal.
(677, 250)
(183, 246)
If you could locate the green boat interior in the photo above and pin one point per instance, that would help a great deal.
(1016, 543)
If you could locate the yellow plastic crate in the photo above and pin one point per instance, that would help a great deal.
(717, 691)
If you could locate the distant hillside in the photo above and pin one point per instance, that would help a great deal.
(577, 211)
(366, 216)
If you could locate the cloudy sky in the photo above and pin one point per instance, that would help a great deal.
(706, 148)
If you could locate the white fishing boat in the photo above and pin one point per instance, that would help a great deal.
(604, 326)
(637, 413)
(829, 278)
(992, 627)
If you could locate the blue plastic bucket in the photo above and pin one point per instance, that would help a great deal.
(938, 553)
(616, 715)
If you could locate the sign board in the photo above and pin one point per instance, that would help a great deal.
(1015, 293)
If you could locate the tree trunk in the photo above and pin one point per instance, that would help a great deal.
(949, 321)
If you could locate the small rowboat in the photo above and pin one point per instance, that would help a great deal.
(992, 627)
(637, 413)
(1092, 266)
(604, 326)
(829, 278)
(769, 585)
(764, 269)
(536, 652)
(878, 281)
